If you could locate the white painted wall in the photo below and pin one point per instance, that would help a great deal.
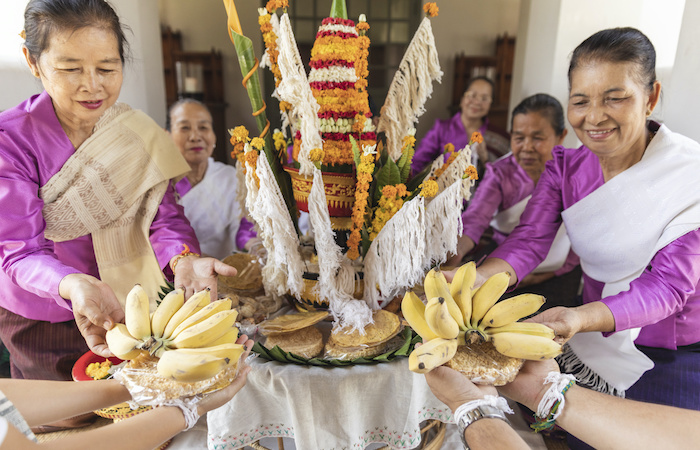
(143, 88)
(551, 29)
(682, 96)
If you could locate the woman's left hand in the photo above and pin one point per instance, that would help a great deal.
(193, 273)
(564, 321)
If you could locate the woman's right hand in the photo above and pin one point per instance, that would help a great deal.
(528, 387)
(220, 398)
(95, 308)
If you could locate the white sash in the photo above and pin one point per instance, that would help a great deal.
(617, 230)
(505, 221)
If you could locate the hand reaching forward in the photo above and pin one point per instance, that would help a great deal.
(219, 398)
(564, 321)
(528, 387)
(95, 308)
(454, 389)
(193, 274)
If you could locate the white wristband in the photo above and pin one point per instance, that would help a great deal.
(188, 406)
(554, 394)
(488, 400)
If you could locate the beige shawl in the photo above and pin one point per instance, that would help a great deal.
(111, 187)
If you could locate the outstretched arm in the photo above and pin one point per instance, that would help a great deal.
(587, 414)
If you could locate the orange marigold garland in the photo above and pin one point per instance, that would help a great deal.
(471, 173)
(251, 156)
(364, 177)
(389, 204)
(239, 137)
(449, 148)
(270, 39)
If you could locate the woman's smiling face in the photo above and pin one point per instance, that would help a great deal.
(82, 72)
(608, 107)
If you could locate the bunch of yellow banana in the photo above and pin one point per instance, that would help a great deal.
(456, 314)
(194, 339)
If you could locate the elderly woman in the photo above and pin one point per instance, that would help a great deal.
(537, 125)
(209, 190)
(630, 200)
(88, 179)
(475, 106)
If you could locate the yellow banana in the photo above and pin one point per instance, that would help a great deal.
(206, 331)
(538, 329)
(439, 320)
(432, 354)
(189, 367)
(204, 313)
(170, 304)
(458, 278)
(229, 351)
(525, 346)
(512, 309)
(228, 337)
(487, 295)
(197, 301)
(122, 343)
(435, 285)
(464, 299)
(413, 311)
(137, 313)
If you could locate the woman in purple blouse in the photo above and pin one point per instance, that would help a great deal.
(88, 207)
(537, 126)
(630, 201)
(474, 107)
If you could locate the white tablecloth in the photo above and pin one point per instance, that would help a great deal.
(327, 408)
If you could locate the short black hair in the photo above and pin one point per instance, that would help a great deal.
(619, 45)
(42, 18)
(545, 105)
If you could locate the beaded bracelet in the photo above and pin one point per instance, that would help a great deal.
(185, 252)
(552, 403)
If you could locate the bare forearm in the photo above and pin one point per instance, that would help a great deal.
(67, 399)
(493, 266)
(144, 431)
(604, 421)
(595, 316)
(493, 434)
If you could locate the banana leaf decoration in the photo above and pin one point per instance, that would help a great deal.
(249, 65)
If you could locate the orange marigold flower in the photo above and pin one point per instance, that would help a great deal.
(409, 141)
(428, 188)
(257, 143)
(471, 173)
(239, 134)
(316, 154)
(476, 137)
(271, 6)
(359, 123)
(431, 9)
(449, 147)
(389, 191)
(401, 190)
(362, 26)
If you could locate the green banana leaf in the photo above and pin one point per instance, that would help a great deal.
(410, 338)
(339, 10)
(246, 59)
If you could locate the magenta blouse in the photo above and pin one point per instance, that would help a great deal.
(664, 301)
(446, 131)
(33, 148)
(505, 184)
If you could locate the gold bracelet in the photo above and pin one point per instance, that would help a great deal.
(185, 252)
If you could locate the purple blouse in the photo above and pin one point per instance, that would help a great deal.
(664, 300)
(505, 184)
(33, 148)
(452, 131)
